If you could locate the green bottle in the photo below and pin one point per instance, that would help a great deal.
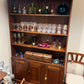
(14, 9)
(32, 9)
(40, 10)
(46, 8)
(19, 10)
(24, 11)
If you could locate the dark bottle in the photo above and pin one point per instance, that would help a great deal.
(14, 9)
(46, 8)
(40, 10)
(34, 41)
(63, 9)
(52, 10)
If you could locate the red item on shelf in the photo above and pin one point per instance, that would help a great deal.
(45, 45)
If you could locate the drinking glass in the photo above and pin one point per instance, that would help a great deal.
(44, 28)
(31, 26)
(22, 35)
(22, 26)
(34, 26)
(17, 26)
(25, 26)
(54, 44)
(19, 37)
(28, 25)
(39, 28)
(59, 28)
(15, 37)
(49, 28)
(53, 28)
(14, 26)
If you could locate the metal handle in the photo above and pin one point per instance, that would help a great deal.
(45, 76)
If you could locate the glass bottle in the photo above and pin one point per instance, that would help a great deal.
(46, 8)
(34, 39)
(63, 9)
(52, 10)
(19, 10)
(14, 9)
(32, 9)
(59, 46)
(40, 10)
(24, 11)
(54, 44)
(59, 28)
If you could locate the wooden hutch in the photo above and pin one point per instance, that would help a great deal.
(35, 71)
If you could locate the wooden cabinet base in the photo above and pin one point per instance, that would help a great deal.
(37, 73)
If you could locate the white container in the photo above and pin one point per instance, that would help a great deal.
(64, 31)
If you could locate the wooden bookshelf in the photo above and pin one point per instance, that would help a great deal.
(35, 71)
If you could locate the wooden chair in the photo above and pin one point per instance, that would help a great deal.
(2, 75)
(74, 68)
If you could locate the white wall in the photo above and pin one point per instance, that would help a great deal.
(4, 33)
(76, 36)
(76, 30)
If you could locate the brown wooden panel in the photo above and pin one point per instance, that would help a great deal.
(35, 72)
(18, 69)
(53, 75)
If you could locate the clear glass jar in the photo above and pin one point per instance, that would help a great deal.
(59, 29)
(53, 28)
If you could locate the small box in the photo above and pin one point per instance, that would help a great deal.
(37, 56)
(47, 58)
(28, 55)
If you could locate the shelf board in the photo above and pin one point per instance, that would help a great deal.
(39, 33)
(31, 46)
(58, 65)
(54, 15)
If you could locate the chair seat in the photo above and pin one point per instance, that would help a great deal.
(74, 79)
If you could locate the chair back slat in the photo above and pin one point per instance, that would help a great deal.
(81, 59)
(77, 59)
(72, 57)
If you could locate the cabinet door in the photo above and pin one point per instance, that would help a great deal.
(35, 72)
(18, 68)
(27, 71)
(52, 75)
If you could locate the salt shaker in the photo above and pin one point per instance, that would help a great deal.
(64, 31)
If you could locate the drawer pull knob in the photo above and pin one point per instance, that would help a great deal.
(45, 76)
